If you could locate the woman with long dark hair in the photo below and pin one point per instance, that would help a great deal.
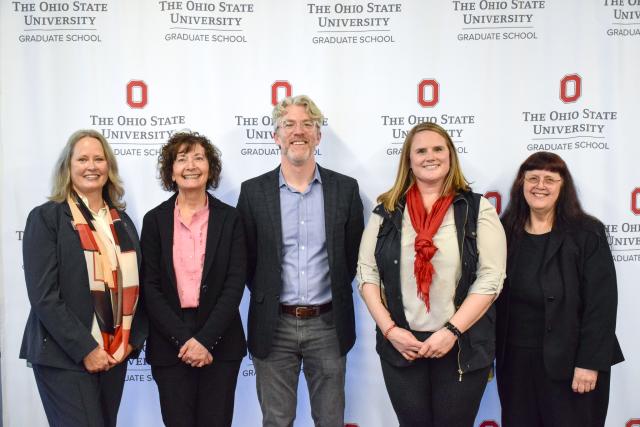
(556, 319)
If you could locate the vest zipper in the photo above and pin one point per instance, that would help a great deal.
(459, 368)
(464, 229)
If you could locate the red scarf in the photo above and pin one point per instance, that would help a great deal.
(426, 226)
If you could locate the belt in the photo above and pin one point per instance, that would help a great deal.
(305, 311)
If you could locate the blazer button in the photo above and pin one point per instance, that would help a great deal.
(551, 299)
(395, 261)
(548, 328)
(204, 289)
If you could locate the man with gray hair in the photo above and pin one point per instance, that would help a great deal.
(303, 225)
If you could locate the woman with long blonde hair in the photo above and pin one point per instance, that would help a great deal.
(81, 258)
(431, 263)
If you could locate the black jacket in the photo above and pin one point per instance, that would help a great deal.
(58, 331)
(578, 279)
(221, 288)
(259, 206)
(476, 345)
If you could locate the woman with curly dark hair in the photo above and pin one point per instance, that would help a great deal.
(556, 318)
(192, 279)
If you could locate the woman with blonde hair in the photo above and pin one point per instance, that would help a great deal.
(81, 258)
(431, 263)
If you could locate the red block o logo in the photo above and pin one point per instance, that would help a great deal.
(137, 94)
(435, 92)
(634, 422)
(489, 423)
(635, 202)
(570, 88)
(497, 200)
(276, 86)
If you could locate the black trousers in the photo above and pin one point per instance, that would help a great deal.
(78, 398)
(197, 397)
(429, 393)
(529, 398)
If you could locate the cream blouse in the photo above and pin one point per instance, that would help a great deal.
(492, 249)
(103, 228)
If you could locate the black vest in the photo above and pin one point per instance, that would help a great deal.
(477, 345)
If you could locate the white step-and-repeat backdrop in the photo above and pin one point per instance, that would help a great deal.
(505, 78)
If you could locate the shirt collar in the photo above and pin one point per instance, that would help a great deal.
(199, 212)
(316, 178)
(101, 212)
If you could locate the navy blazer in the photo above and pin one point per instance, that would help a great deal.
(223, 275)
(259, 206)
(578, 280)
(58, 331)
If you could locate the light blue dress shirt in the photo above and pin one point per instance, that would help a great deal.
(305, 261)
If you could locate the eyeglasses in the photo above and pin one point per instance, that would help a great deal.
(547, 181)
(290, 125)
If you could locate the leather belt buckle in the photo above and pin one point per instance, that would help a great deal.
(306, 312)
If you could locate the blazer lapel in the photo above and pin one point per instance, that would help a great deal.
(330, 198)
(271, 189)
(76, 253)
(217, 218)
(555, 242)
(165, 216)
(67, 211)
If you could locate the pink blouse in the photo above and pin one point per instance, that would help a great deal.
(189, 245)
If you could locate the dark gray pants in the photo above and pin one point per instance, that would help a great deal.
(312, 343)
(78, 398)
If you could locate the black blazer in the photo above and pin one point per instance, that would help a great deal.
(58, 331)
(259, 206)
(223, 276)
(578, 281)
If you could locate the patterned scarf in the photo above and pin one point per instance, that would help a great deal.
(426, 226)
(113, 281)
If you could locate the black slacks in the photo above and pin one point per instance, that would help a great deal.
(429, 393)
(191, 397)
(529, 398)
(78, 398)
(197, 397)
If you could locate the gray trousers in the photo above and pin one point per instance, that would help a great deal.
(312, 343)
